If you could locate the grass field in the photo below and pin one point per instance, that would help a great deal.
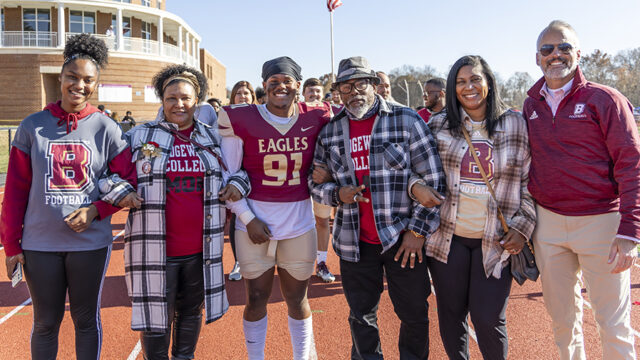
(4, 148)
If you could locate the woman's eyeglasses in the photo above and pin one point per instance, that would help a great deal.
(547, 49)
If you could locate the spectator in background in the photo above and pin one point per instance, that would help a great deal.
(216, 103)
(335, 97)
(585, 176)
(242, 93)
(127, 122)
(384, 88)
(101, 108)
(261, 96)
(434, 98)
(110, 31)
(115, 117)
(312, 91)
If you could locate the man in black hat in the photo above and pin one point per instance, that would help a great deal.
(274, 142)
(373, 151)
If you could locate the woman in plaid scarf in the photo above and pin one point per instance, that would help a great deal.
(468, 256)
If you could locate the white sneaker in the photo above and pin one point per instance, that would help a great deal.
(235, 275)
(322, 271)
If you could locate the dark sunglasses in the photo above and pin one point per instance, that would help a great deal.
(547, 49)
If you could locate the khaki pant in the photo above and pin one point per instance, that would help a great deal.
(567, 247)
(296, 255)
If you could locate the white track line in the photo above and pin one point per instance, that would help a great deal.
(28, 301)
(637, 265)
(14, 311)
(471, 331)
(136, 351)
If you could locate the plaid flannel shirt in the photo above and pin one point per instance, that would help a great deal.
(145, 237)
(401, 146)
(511, 175)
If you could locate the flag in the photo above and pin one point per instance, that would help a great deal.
(333, 4)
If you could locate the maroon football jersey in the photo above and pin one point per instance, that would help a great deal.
(277, 157)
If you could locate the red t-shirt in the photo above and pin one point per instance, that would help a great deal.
(425, 114)
(360, 138)
(185, 205)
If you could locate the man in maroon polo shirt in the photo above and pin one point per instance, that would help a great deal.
(585, 177)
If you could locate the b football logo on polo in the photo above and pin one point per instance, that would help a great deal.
(69, 166)
(579, 109)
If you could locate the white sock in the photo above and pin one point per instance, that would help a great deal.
(255, 336)
(301, 332)
(322, 256)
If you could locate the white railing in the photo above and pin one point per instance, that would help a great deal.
(140, 45)
(29, 39)
(110, 41)
(170, 50)
(134, 45)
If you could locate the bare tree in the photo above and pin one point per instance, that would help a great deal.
(598, 67)
(415, 77)
(514, 91)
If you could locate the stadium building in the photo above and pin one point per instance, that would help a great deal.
(142, 38)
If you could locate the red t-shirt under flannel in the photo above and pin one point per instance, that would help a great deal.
(184, 209)
(360, 138)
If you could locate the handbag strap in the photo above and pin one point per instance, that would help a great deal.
(472, 148)
(186, 138)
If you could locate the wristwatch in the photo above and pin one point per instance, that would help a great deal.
(418, 235)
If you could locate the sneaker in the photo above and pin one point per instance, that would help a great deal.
(322, 271)
(235, 275)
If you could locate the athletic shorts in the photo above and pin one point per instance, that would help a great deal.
(321, 210)
(296, 255)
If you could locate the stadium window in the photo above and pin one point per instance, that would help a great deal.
(82, 22)
(38, 20)
(126, 26)
(146, 3)
(146, 30)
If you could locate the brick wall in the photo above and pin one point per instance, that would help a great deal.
(31, 95)
(216, 73)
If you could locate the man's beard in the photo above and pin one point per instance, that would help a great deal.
(559, 73)
(359, 111)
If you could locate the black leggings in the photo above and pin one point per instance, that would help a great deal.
(463, 288)
(49, 276)
(185, 301)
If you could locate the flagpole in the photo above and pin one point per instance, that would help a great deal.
(332, 62)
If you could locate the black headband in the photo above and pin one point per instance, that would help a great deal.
(281, 65)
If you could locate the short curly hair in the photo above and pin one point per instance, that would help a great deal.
(85, 46)
(164, 74)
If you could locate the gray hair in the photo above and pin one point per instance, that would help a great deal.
(561, 26)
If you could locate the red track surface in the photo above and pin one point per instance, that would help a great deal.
(529, 328)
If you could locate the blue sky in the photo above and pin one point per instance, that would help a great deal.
(244, 34)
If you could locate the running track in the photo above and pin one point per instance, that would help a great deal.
(529, 329)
